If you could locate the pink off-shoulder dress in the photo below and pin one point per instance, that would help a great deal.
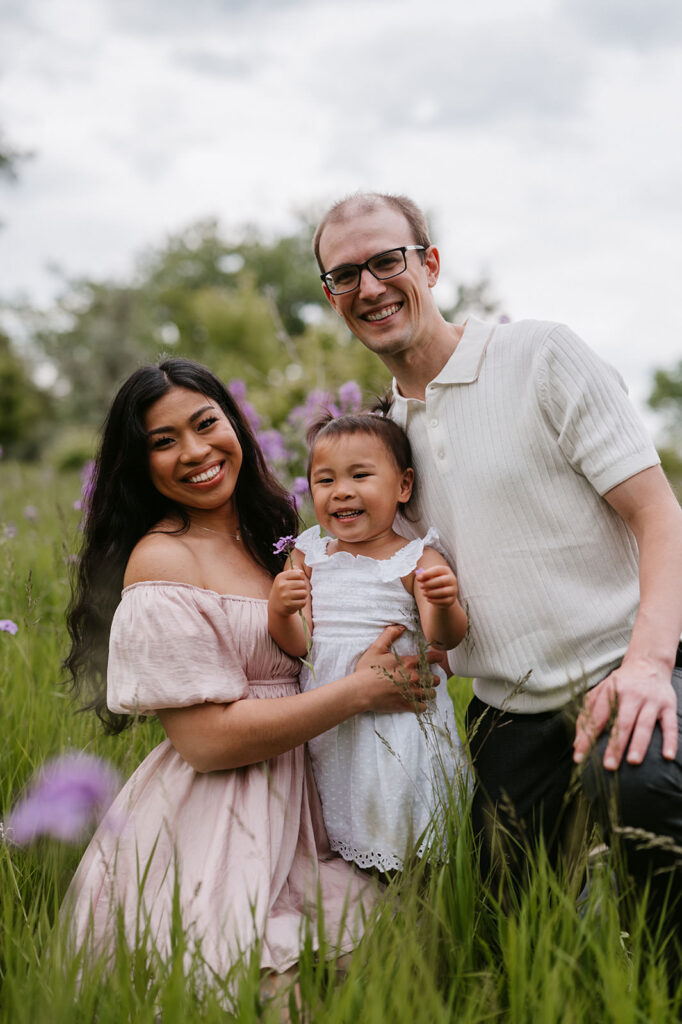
(246, 847)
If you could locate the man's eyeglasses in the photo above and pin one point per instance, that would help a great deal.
(382, 266)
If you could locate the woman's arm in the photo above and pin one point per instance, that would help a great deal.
(443, 620)
(211, 737)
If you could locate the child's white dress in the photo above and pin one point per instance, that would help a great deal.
(380, 776)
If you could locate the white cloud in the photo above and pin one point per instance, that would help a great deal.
(546, 145)
(644, 26)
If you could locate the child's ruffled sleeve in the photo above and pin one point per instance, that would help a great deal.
(171, 646)
(313, 545)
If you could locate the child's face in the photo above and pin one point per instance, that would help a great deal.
(357, 486)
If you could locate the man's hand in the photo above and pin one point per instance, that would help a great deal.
(636, 696)
(289, 592)
(438, 584)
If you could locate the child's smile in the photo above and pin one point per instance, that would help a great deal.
(347, 514)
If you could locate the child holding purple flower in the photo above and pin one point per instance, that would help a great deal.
(381, 777)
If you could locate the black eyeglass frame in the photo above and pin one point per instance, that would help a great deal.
(359, 267)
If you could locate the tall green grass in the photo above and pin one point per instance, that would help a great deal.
(443, 946)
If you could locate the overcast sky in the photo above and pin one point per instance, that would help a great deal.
(544, 137)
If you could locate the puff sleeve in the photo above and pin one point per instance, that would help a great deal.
(171, 645)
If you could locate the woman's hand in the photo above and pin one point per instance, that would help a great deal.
(392, 682)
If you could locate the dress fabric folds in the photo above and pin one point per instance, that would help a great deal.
(245, 849)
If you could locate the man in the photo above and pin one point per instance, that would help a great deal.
(565, 535)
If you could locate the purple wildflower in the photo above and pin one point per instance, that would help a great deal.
(504, 319)
(350, 396)
(272, 445)
(31, 513)
(317, 402)
(88, 481)
(284, 545)
(7, 626)
(237, 389)
(69, 793)
(10, 532)
(1, 451)
(300, 489)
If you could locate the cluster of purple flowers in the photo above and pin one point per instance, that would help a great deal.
(284, 545)
(69, 793)
(284, 449)
(347, 399)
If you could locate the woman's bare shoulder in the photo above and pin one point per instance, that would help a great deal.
(161, 556)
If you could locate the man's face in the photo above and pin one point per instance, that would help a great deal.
(389, 317)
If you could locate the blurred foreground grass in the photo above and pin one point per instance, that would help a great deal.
(442, 948)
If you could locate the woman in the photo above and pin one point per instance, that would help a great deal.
(185, 516)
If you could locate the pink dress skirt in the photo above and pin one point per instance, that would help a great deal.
(246, 848)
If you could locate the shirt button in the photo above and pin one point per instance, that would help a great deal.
(434, 422)
(441, 453)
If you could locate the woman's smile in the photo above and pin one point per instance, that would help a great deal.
(210, 475)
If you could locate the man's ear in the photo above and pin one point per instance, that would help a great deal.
(432, 264)
(330, 298)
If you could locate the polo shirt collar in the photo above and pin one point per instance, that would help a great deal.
(463, 366)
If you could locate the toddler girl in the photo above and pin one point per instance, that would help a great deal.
(380, 776)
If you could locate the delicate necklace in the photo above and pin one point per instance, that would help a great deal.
(235, 536)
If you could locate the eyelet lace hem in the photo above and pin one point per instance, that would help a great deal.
(371, 858)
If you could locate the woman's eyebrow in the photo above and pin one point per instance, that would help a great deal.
(171, 430)
(200, 412)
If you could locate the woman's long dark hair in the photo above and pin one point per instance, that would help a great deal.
(125, 505)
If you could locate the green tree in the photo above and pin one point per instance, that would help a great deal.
(248, 306)
(666, 399)
(24, 408)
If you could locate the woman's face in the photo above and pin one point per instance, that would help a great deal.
(194, 454)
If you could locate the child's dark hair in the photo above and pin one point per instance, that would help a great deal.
(377, 424)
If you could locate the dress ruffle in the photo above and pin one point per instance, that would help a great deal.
(402, 563)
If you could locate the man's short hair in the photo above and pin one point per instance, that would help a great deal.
(367, 202)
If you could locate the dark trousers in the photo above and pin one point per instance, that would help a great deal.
(528, 788)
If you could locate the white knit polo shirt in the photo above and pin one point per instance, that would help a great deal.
(519, 435)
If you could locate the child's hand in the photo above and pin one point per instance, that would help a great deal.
(289, 592)
(438, 584)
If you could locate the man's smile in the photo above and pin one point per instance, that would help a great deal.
(382, 314)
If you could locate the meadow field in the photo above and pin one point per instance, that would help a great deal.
(443, 948)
